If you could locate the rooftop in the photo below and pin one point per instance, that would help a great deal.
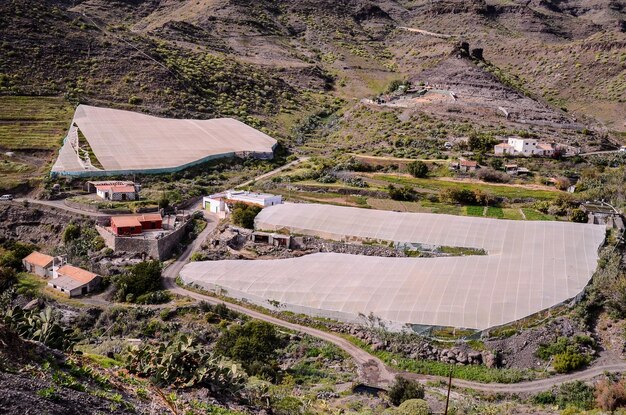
(39, 259)
(135, 220)
(76, 274)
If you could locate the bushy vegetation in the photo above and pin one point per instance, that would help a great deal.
(182, 364)
(42, 326)
(254, 345)
(417, 169)
(141, 283)
(404, 193)
(567, 353)
(467, 197)
(404, 389)
(243, 214)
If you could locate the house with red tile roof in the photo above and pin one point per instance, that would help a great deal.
(38, 264)
(74, 281)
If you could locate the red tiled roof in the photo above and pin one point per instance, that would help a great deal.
(135, 220)
(37, 258)
(467, 163)
(77, 274)
(125, 221)
(122, 188)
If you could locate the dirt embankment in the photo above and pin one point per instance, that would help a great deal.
(39, 225)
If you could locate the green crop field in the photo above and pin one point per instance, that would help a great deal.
(532, 214)
(510, 192)
(474, 210)
(33, 123)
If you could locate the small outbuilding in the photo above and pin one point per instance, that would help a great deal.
(38, 264)
(74, 281)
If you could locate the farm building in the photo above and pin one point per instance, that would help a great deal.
(104, 141)
(516, 146)
(115, 191)
(529, 266)
(218, 203)
(464, 166)
(74, 281)
(135, 224)
(38, 264)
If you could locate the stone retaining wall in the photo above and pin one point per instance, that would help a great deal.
(155, 248)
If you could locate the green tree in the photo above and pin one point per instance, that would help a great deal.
(417, 169)
(253, 344)
(71, 232)
(578, 215)
(404, 193)
(141, 278)
(404, 389)
(243, 215)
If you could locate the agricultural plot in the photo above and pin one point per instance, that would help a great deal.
(529, 266)
(33, 123)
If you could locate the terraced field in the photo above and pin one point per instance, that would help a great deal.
(32, 128)
(33, 123)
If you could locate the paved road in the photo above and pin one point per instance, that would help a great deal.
(60, 204)
(273, 172)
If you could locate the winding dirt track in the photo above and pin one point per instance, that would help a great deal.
(372, 370)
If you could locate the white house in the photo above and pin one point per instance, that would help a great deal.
(123, 191)
(38, 264)
(517, 146)
(218, 203)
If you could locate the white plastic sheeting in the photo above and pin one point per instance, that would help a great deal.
(530, 266)
(127, 141)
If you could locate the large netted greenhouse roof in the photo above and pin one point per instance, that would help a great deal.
(529, 266)
(125, 141)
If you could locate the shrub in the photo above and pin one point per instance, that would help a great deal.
(544, 398)
(71, 232)
(575, 394)
(140, 279)
(181, 364)
(578, 216)
(243, 215)
(134, 100)
(610, 395)
(154, 297)
(404, 389)
(404, 193)
(413, 407)
(562, 183)
(198, 256)
(491, 175)
(569, 361)
(40, 326)
(463, 196)
(417, 169)
(254, 345)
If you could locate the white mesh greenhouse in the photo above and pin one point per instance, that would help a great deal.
(126, 142)
(529, 266)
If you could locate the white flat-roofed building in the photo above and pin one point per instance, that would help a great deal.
(218, 203)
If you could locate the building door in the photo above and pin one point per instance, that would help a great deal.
(124, 196)
(83, 290)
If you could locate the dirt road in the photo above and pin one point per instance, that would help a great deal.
(60, 204)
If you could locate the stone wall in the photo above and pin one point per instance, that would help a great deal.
(155, 248)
